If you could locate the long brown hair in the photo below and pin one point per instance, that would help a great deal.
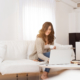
(44, 29)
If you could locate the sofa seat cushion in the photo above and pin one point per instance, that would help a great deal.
(18, 66)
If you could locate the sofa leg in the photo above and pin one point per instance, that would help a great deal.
(27, 76)
(16, 76)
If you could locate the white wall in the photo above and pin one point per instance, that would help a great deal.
(9, 19)
(74, 21)
(10, 28)
(62, 22)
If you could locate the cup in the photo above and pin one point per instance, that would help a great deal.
(51, 46)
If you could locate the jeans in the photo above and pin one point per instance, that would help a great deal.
(47, 54)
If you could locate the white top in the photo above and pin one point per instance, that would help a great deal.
(47, 46)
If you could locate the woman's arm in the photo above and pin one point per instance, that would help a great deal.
(39, 47)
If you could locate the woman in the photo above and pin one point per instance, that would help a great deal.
(44, 39)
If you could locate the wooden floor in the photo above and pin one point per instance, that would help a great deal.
(31, 76)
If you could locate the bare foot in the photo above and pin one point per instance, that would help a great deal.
(35, 60)
(44, 75)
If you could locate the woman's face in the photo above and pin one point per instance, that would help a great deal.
(48, 31)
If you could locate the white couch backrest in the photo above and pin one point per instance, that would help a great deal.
(22, 49)
(16, 49)
(31, 45)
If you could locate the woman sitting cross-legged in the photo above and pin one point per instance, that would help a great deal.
(41, 51)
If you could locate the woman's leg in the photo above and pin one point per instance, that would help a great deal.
(47, 54)
(45, 73)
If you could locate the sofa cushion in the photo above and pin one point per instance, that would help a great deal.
(19, 66)
(31, 45)
(15, 49)
(3, 50)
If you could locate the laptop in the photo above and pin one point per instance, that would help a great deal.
(60, 56)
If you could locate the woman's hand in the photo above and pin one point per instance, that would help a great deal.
(48, 60)
(54, 47)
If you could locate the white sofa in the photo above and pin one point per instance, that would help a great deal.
(14, 57)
